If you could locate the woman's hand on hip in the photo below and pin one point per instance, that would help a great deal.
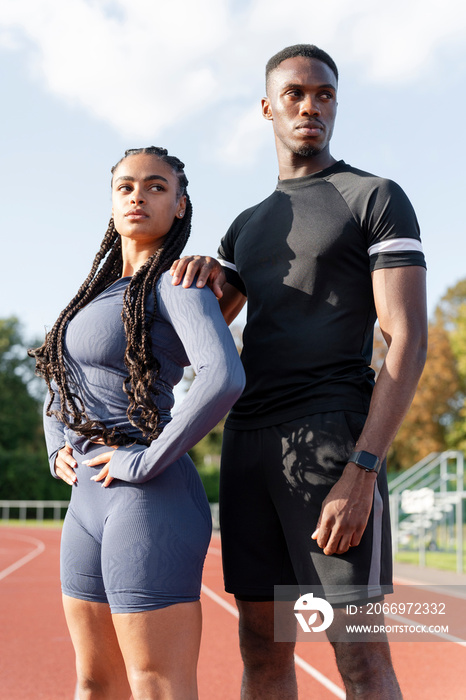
(103, 475)
(65, 464)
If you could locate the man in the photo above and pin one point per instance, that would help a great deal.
(302, 501)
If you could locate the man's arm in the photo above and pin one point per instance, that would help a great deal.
(231, 302)
(400, 301)
(210, 272)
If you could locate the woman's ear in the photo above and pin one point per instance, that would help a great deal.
(181, 207)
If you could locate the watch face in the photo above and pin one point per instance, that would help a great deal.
(367, 460)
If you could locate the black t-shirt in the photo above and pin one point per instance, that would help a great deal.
(303, 257)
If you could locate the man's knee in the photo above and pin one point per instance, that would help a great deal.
(362, 659)
(258, 650)
(366, 669)
(256, 634)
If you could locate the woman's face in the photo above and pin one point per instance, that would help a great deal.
(145, 199)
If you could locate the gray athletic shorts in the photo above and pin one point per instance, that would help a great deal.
(272, 484)
(137, 547)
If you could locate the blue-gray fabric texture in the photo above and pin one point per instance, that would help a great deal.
(141, 542)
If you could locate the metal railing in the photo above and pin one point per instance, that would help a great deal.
(19, 509)
(426, 494)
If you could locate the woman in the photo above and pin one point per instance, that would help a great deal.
(132, 552)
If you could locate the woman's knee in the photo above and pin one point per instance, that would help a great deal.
(161, 649)
(95, 642)
(98, 685)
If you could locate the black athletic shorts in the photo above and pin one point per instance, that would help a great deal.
(272, 484)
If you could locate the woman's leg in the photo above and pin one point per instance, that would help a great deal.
(161, 649)
(99, 663)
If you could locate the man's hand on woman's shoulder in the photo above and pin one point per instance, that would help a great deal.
(207, 269)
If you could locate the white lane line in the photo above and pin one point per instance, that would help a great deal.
(432, 588)
(417, 623)
(317, 675)
(208, 591)
(39, 548)
(454, 590)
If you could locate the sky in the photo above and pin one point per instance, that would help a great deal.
(82, 80)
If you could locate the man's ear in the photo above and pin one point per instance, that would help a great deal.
(266, 108)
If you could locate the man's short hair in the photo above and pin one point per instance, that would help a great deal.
(306, 50)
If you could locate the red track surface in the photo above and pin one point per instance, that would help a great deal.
(37, 661)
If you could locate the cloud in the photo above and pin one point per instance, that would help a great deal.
(139, 66)
(239, 145)
(146, 67)
(401, 42)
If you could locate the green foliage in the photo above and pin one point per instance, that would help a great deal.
(451, 312)
(24, 467)
(433, 560)
(436, 420)
(448, 309)
(435, 405)
(210, 477)
(458, 341)
(206, 457)
(24, 474)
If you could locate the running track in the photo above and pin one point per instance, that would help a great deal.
(36, 657)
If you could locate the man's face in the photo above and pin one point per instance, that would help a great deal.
(302, 103)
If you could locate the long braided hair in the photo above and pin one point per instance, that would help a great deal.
(143, 368)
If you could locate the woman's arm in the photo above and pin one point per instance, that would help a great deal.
(195, 315)
(208, 271)
(60, 454)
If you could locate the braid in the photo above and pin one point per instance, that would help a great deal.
(143, 368)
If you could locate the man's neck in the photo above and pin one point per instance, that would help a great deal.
(291, 166)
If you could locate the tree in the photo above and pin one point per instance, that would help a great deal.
(451, 313)
(448, 310)
(206, 457)
(24, 470)
(435, 406)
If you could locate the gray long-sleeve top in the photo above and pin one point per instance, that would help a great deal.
(188, 330)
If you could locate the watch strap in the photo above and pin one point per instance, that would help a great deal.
(366, 460)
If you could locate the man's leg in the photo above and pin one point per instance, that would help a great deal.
(269, 670)
(255, 556)
(316, 452)
(365, 667)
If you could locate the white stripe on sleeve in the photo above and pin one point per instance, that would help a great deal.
(396, 245)
(227, 264)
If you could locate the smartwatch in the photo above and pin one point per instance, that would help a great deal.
(366, 461)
